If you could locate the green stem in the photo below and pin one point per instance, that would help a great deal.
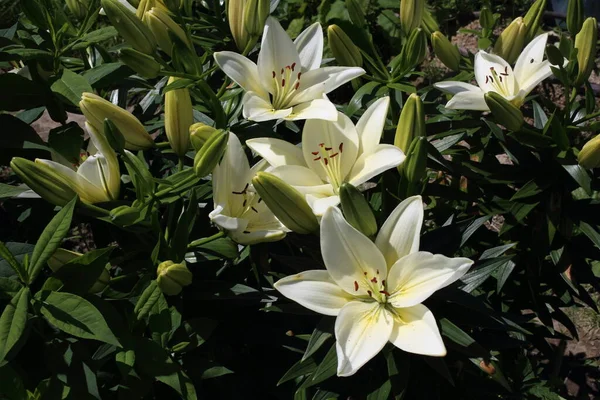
(168, 190)
(200, 242)
(180, 164)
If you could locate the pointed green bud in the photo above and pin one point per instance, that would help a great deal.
(357, 210)
(179, 116)
(78, 8)
(585, 43)
(200, 133)
(287, 203)
(237, 24)
(505, 112)
(411, 123)
(61, 257)
(411, 14)
(147, 5)
(124, 215)
(429, 24)
(445, 51)
(511, 41)
(162, 27)
(415, 49)
(575, 16)
(415, 166)
(356, 13)
(211, 153)
(141, 63)
(255, 16)
(533, 19)
(486, 18)
(172, 277)
(44, 181)
(344, 50)
(131, 28)
(589, 156)
(115, 138)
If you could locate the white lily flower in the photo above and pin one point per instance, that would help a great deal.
(98, 178)
(287, 82)
(494, 74)
(376, 289)
(238, 208)
(332, 153)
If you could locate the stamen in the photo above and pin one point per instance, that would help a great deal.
(341, 147)
(246, 231)
(283, 83)
(244, 204)
(383, 282)
(370, 293)
(299, 75)
(260, 199)
(374, 280)
(500, 78)
(317, 159)
(531, 62)
(293, 66)
(355, 286)
(384, 292)
(297, 85)
(333, 155)
(328, 148)
(282, 69)
(254, 209)
(326, 161)
(314, 153)
(487, 78)
(365, 273)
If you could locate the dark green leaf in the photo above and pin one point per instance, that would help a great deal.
(147, 300)
(299, 369)
(13, 321)
(319, 336)
(8, 191)
(80, 274)
(13, 262)
(19, 93)
(71, 86)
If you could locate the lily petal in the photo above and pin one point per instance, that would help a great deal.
(276, 151)
(314, 290)
(415, 277)
(297, 175)
(258, 109)
(530, 58)
(362, 329)
(400, 234)
(242, 71)
(310, 47)
(455, 87)
(87, 192)
(231, 175)
(277, 51)
(315, 109)
(468, 101)
(415, 331)
(261, 236)
(325, 79)
(485, 64)
(95, 170)
(321, 203)
(370, 125)
(368, 165)
(226, 222)
(350, 257)
(542, 71)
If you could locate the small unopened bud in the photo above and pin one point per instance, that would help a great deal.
(589, 156)
(286, 203)
(62, 257)
(162, 27)
(344, 50)
(429, 24)
(411, 14)
(585, 43)
(415, 165)
(445, 51)
(415, 49)
(141, 63)
(411, 123)
(199, 134)
(211, 153)
(43, 180)
(511, 41)
(533, 19)
(255, 16)
(356, 13)
(172, 277)
(575, 16)
(357, 210)
(124, 215)
(78, 8)
(237, 24)
(179, 116)
(131, 28)
(505, 112)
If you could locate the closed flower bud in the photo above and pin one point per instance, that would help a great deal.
(411, 14)
(411, 123)
(124, 215)
(356, 13)
(344, 50)
(78, 8)
(505, 112)
(429, 24)
(96, 110)
(172, 277)
(179, 116)
(43, 180)
(357, 210)
(589, 156)
(585, 43)
(210, 153)
(255, 16)
(147, 5)
(162, 27)
(62, 257)
(533, 19)
(287, 203)
(574, 16)
(445, 51)
(199, 134)
(415, 49)
(145, 65)
(415, 165)
(131, 28)
(511, 41)
(237, 24)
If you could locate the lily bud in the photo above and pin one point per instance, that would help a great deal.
(124, 215)
(356, 13)
(415, 165)
(287, 203)
(199, 134)
(511, 41)
(44, 181)
(585, 43)
(411, 123)
(445, 51)
(179, 116)
(141, 63)
(574, 16)
(344, 50)
(533, 19)
(505, 112)
(173, 277)
(411, 14)
(255, 16)
(96, 110)
(237, 24)
(131, 28)
(62, 257)
(147, 5)
(415, 49)
(429, 24)
(78, 8)
(211, 153)
(357, 210)
(589, 156)
(162, 27)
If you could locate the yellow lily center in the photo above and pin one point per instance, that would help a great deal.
(287, 83)
(248, 209)
(373, 286)
(499, 82)
(331, 158)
